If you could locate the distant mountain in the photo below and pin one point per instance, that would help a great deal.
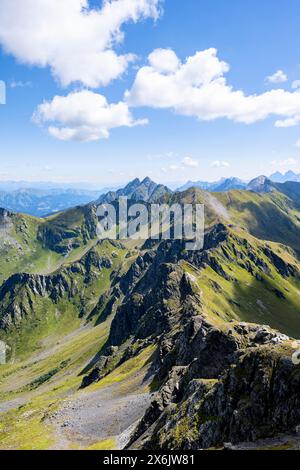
(229, 184)
(224, 184)
(137, 190)
(196, 184)
(261, 184)
(43, 202)
(284, 177)
(291, 189)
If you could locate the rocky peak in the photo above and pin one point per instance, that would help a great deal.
(146, 190)
(261, 184)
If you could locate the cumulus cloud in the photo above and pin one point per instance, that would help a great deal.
(198, 87)
(289, 122)
(164, 60)
(75, 40)
(277, 77)
(83, 116)
(190, 162)
(219, 164)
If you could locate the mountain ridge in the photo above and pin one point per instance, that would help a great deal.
(145, 190)
(146, 315)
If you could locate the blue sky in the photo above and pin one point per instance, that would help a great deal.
(257, 38)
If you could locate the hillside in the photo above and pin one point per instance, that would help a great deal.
(145, 338)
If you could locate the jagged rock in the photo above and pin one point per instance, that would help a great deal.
(285, 269)
(256, 395)
(265, 335)
(97, 372)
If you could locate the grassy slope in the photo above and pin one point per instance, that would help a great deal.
(270, 216)
(19, 248)
(273, 216)
(24, 248)
(51, 349)
(24, 427)
(60, 318)
(244, 297)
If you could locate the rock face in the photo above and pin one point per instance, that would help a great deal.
(146, 190)
(241, 385)
(285, 269)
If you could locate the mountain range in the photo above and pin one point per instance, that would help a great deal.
(140, 344)
(227, 184)
(283, 178)
(40, 202)
(47, 198)
(224, 184)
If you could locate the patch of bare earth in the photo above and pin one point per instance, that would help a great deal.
(91, 416)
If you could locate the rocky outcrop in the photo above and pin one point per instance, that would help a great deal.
(241, 385)
(285, 269)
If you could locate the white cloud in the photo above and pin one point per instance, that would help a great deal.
(296, 84)
(20, 84)
(75, 40)
(198, 87)
(190, 162)
(287, 162)
(298, 143)
(164, 60)
(277, 77)
(289, 122)
(219, 164)
(83, 116)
